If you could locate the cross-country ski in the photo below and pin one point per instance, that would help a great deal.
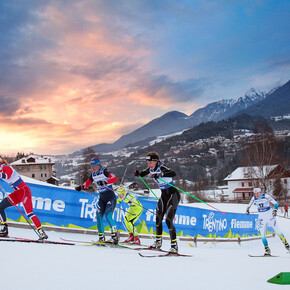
(262, 256)
(166, 254)
(23, 240)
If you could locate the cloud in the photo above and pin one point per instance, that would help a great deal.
(86, 72)
(104, 68)
(162, 89)
(23, 122)
(8, 106)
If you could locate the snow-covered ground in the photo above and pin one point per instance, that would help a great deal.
(213, 265)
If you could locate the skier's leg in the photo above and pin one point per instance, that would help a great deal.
(100, 213)
(110, 207)
(263, 227)
(4, 227)
(274, 225)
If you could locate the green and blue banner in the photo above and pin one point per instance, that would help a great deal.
(69, 208)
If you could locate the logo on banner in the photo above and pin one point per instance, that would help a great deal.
(257, 224)
(88, 210)
(210, 223)
(95, 202)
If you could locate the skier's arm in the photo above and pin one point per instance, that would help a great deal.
(142, 173)
(166, 171)
(129, 198)
(272, 200)
(6, 172)
(249, 205)
(132, 201)
(112, 177)
(88, 182)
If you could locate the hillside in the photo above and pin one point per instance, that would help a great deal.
(209, 151)
(175, 121)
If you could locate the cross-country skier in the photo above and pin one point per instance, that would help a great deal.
(168, 202)
(21, 193)
(132, 215)
(267, 217)
(103, 179)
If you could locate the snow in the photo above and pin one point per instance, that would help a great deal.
(163, 137)
(244, 172)
(36, 160)
(213, 265)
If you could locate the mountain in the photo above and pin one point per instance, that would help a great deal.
(175, 121)
(276, 103)
(170, 122)
(225, 108)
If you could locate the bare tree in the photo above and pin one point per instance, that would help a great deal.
(262, 161)
(84, 169)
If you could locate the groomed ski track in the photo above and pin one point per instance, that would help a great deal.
(213, 266)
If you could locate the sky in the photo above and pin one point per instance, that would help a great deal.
(78, 73)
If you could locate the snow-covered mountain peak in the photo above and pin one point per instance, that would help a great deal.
(226, 102)
(254, 95)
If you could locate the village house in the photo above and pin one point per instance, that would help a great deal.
(243, 180)
(37, 167)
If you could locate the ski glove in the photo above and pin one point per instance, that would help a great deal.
(102, 183)
(274, 212)
(79, 187)
(136, 173)
(156, 175)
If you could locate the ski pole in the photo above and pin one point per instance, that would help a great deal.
(191, 195)
(120, 216)
(146, 229)
(11, 201)
(139, 221)
(122, 210)
(122, 180)
(89, 193)
(148, 186)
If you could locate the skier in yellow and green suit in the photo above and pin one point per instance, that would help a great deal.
(132, 215)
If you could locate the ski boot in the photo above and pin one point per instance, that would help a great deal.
(157, 244)
(114, 239)
(267, 251)
(174, 247)
(136, 240)
(4, 230)
(287, 247)
(42, 234)
(130, 239)
(101, 239)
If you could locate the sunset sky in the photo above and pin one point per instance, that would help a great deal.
(78, 73)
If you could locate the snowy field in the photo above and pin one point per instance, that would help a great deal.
(213, 265)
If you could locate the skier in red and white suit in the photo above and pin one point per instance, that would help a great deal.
(21, 193)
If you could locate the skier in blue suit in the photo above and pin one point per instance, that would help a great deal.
(103, 179)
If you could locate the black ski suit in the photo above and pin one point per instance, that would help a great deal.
(169, 199)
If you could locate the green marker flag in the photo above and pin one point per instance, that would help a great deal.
(148, 186)
(281, 278)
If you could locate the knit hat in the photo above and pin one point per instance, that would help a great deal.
(257, 189)
(152, 156)
(95, 161)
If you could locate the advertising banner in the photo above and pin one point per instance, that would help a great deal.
(69, 208)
